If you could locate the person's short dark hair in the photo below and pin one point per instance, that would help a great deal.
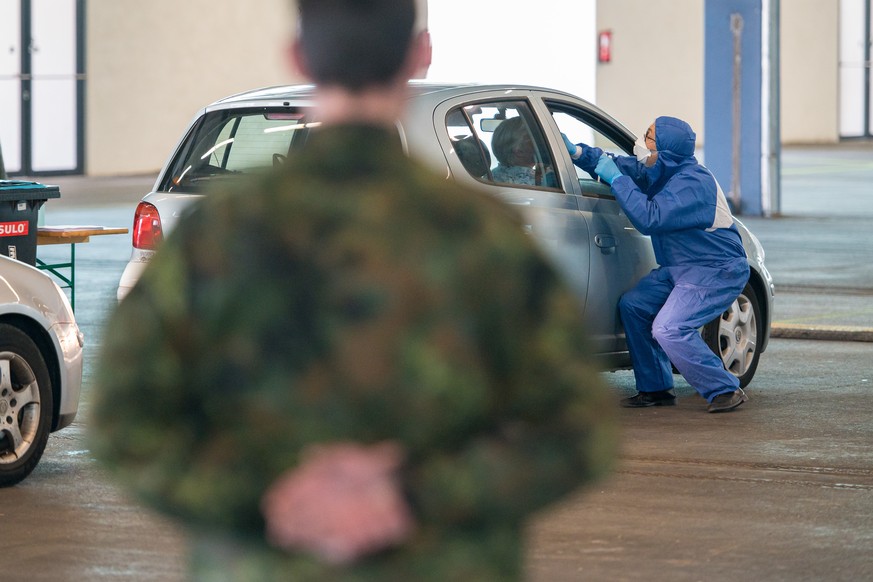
(355, 43)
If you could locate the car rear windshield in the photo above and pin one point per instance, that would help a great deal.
(235, 142)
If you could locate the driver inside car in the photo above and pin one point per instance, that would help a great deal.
(516, 156)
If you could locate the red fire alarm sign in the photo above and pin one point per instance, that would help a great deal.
(604, 46)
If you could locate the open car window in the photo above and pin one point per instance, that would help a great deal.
(580, 127)
(500, 142)
(225, 143)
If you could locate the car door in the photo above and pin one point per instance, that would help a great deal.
(470, 134)
(620, 255)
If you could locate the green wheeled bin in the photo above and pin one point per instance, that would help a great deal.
(19, 215)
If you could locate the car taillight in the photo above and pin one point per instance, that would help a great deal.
(147, 232)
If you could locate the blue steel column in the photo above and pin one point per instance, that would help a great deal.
(755, 169)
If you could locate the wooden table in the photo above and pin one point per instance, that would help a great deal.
(69, 235)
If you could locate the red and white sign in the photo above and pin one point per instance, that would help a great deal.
(20, 228)
(604, 46)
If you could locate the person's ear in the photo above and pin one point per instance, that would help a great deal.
(420, 56)
(297, 60)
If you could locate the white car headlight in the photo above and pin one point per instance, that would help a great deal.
(70, 337)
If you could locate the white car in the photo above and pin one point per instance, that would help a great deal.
(574, 217)
(40, 366)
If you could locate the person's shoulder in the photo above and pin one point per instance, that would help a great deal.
(448, 191)
(238, 208)
(694, 171)
(259, 190)
(702, 174)
(500, 170)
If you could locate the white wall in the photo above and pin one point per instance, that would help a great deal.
(515, 41)
(657, 61)
(152, 65)
(810, 71)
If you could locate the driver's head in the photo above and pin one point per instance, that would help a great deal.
(512, 143)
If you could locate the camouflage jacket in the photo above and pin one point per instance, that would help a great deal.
(353, 295)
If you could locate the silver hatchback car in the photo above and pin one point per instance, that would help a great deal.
(575, 217)
(40, 366)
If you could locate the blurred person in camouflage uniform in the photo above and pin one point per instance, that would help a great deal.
(353, 369)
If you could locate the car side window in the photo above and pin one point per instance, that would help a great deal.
(501, 143)
(579, 130)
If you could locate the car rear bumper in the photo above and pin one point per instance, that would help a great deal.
(132, 272)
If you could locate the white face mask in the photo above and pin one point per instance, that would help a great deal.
(641, 152)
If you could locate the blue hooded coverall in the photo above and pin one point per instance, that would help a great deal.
(702, 263)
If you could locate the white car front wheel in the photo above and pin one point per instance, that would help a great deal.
(25, 405)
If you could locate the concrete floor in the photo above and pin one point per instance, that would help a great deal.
(781, 489)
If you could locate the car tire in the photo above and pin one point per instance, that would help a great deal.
(735, 336)
(25, 405)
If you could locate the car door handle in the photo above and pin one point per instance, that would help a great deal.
(606, 242)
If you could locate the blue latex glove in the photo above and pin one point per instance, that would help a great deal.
(572, 148)
(606, 169)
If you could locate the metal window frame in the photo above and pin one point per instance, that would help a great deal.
(27, 88)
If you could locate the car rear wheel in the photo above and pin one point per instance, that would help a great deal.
(734, 336)
(25, 405)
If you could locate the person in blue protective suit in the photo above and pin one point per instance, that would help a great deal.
(671, 197)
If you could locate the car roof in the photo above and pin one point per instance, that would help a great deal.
(306, 93)
(426, 93)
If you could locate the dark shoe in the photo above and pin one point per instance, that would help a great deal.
(729, 401)
(644, 399)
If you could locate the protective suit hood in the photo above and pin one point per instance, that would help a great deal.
(675, 141)
(675, 137)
